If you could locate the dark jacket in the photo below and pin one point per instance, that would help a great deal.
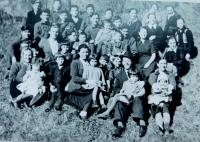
(76, 73)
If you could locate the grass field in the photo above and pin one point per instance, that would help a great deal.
(36, 125)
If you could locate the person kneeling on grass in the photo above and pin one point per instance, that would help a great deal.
(160, 100)
(131, 88)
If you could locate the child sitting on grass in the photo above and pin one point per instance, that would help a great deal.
(32, 85)
(160, 100)
(95, 74)
(131, 88)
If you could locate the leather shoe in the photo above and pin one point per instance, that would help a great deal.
(118, 132)
(142, 131)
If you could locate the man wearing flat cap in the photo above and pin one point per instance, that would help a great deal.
(122, 110)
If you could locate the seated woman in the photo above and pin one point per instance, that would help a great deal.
(76, 94)
(145, 54)
(160, 100)
(17, 72)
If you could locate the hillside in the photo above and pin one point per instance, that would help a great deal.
(36, 125)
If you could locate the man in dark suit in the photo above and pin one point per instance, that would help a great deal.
(123, 110)
(33, 16)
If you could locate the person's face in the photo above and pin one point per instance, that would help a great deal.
(117, 23)
(72, 37)
(82, 38)
(172, 43)
(60, 61)
(133, 14)
(117, 62)
(83, 53)
(127, 63)
(117, 38)
(44, 17)
(163, 80)
(90, 11)
(143, 33)
(133, 78)
(24, 45)
(108, 15)
(35, 52)
(107, 26)
(25, 34)
(170, 10)
(94, 19)
(36, 6)
(57, 5)
(93, 62)
(162, 65)
(63, 16)
(54, 31)
(74, 11)
(103, 62)
(124, 32)
(64, 49)
(27, 56)
(154, 8)
(152, 19)
(180, 23)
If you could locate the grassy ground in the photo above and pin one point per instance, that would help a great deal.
(36, 125)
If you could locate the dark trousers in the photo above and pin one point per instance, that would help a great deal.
(122, 111)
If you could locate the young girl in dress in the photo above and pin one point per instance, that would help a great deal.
(131, 88)
(32, 85)
(160, 100)
(97, 81)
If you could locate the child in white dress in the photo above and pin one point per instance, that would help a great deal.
(32, 84)
(160, 99)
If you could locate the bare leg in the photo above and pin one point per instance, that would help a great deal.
(166, 120)
(110, 107)
(159, 120)
(94, 95)
(101, 99)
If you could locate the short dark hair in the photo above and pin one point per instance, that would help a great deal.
(35, 1)
(105, 57)
(134, 10)
(83, 46)
(90, 5)
(74, 6)
(92, 57)
(46, 11)
(109, 9)
(117, 18)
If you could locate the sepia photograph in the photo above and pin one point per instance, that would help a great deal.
(99, 70)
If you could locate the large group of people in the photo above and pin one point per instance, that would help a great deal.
(105, 64)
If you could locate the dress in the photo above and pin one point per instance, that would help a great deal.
(32, 83)
(142, 52)
(95, 74)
